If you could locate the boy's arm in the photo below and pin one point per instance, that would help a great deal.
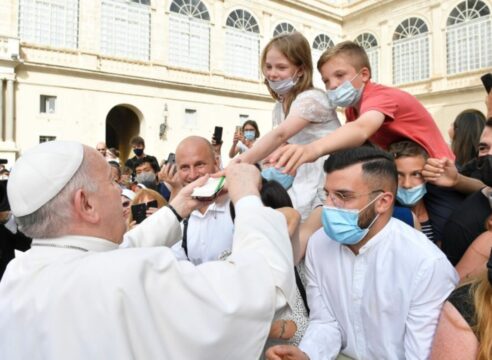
(350, 135)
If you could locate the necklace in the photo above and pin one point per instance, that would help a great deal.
(61, 246)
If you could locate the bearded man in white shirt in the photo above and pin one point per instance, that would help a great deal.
(76, 295)
(375, 285)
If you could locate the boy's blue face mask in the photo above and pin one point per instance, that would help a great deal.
(409, 197)
(345, 95)
(273, 173)
(342, 225)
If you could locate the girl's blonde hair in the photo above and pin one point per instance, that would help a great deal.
(147, 193)
(296, 49)
(482, 298)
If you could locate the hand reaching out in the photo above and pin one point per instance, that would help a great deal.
(440, 172)
(291, 156)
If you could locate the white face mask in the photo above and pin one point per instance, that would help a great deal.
(345, 95)
(282, 87)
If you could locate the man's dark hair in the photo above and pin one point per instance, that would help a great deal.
(137, 140)
(147, 159)
(378, 166)
(274, 195)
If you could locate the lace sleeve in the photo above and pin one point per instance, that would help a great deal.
(313, 105)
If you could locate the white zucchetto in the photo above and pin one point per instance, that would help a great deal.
(41, 173)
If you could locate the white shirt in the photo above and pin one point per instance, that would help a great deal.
(141, 303)
(209, 235)
(381, 304)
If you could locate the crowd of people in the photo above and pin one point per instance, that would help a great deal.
(367, 240)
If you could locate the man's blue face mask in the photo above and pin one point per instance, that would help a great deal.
(342, 225)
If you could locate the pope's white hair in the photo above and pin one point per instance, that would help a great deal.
(53, 218)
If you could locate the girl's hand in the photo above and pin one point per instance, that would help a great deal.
(150, 211)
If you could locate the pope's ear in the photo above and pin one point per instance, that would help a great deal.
(84, 206)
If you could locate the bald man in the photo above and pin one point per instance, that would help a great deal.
(102, 148)
(207, 235)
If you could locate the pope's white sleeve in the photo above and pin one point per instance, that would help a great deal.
(322, 339)
(160, 229)
(269, 238)
(227, 306)
(434, 282)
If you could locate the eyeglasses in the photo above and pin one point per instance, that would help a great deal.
(340, 198)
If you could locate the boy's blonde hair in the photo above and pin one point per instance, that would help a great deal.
(296, 49)
(354, 52)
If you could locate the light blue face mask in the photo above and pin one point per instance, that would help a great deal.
(409, 197)
(282, 87)
(342, 225)
(345, 95)
(273, 173)
(249, 135)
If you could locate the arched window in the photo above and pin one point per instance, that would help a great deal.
(320, 44)
(468, 37)
(49, 22)
(283, 28)
(410, 51)
(242, 50)
(125, 28)
(189, 34)
(370, 44)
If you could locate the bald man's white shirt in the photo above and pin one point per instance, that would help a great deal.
(209, 235)
(141, 303)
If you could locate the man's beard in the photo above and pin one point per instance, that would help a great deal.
(367, 216)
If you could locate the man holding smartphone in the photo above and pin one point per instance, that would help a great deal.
(207, 234)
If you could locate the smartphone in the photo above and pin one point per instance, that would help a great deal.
(239, 129)
(171, 158)
(218, 134)
(487, 82)
(139, 212)
(152, 203)
(210, 190)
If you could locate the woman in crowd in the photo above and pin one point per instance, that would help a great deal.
(289, 326)
(301, 114)
(146, 196)
(464, 331)
(126, 200)
(245, 139)
(475, 257)
(465, 133)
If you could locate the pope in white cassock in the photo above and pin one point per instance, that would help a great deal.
(77, 294)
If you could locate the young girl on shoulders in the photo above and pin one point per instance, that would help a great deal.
(302, 114)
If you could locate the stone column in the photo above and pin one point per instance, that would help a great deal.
(9, 118)
(1, 111)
